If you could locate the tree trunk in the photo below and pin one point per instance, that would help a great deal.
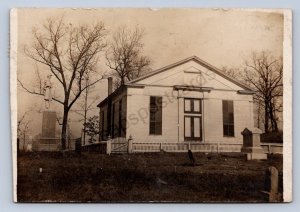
(85, 114)
(258, 114)
(266, 117)
(273, 118)
(64, 129)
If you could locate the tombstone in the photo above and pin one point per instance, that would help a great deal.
(251, 144)
(271, 184)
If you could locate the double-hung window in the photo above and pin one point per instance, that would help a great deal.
(228, 118)
(155, 115)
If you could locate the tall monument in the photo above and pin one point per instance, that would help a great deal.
(49, 117)
(48, 141)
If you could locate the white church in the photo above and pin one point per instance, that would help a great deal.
(189, 101)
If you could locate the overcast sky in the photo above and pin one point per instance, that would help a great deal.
(219, 37)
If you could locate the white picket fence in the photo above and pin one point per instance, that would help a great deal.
(137, 147)
(123, 146)
(184, 147)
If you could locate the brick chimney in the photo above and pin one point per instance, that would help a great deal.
(110, 82)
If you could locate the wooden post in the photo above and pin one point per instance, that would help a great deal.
(78, 146)
(189, 147)
(108, 146)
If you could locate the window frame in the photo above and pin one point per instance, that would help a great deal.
(232, 124)
(151, 113)
(193, 138)
(192, 111)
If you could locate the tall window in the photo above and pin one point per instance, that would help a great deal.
(228, 118)
(155, 115)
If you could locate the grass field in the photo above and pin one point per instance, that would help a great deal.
(166, 177)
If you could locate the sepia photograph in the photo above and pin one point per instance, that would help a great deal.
(145, 105)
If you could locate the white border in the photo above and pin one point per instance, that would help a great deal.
(287, 107)
(13, 92)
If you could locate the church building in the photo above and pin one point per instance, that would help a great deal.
(187, 101)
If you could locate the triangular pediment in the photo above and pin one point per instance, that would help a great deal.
(191, 72)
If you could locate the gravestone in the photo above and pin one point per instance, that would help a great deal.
(251, 144)
(271, 185)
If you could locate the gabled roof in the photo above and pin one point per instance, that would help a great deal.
(197, 60)
(194, 58)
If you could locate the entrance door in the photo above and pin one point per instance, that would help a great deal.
(192, 119)
(192, 128)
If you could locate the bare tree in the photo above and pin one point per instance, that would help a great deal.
(124, 55)
(85, 106)
(264, 73)
(70, 53)
(23, 128)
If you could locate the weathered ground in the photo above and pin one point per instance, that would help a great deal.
(166, 177)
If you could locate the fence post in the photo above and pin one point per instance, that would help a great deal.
(108, 146)
(218, 147)
(78, 146)
(130, 140)
(189, 147)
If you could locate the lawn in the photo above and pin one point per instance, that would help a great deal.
(156, 177)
